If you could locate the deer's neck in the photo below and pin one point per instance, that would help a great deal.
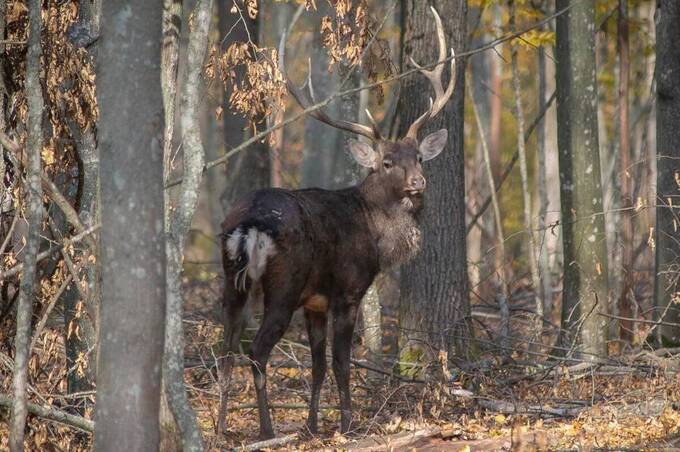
(393, 222)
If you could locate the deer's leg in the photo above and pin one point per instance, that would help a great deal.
(344, 316)
(277, 315)
(316, 330)
(234, 320)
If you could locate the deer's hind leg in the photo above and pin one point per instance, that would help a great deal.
(281, 296)
(234, 319)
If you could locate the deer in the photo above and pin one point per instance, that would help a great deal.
(320, 250)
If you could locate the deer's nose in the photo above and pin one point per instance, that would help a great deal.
(417, 183)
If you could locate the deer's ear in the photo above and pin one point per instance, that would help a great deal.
(433, 144)
(363, 153)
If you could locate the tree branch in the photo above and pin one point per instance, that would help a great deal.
(75, 239)
(53, 414)
(260, 136)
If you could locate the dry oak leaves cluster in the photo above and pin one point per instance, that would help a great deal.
(251, 74)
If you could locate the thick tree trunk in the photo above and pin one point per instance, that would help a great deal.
(133, 286)
(666, 287)
(434, 287)
(585, 254)
(34, 218)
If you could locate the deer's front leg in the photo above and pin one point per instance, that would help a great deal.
(344, 316)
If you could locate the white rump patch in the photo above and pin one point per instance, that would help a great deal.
(259, 247)
(233, 243)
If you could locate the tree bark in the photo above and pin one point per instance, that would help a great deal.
(84, 343)
(193, 159)
(627, 245)
(531, 249)
(247, 171)
(172, 23)
(544, 200)
(434, 303)
(666, 287)
(133, 286)
(585, 254)
(34, 218)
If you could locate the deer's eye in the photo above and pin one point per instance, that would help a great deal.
(387, 164)
(420, 158)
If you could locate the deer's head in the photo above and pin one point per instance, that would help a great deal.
(397, 164)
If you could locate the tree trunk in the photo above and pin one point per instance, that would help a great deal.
(249, 170)
(542, 185)
(531, 249)
(320, 149)
(585, 254)
(34, 217)
(172, 23)
(133, 286)
(193, 160)
(627, 245)
(84, 343)
(434, 304)
(666, 287)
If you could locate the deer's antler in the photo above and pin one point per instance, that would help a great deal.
(435, 77)
(306, 99)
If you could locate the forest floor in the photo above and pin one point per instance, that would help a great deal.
(631, 401)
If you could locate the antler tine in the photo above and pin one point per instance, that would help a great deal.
(307, 100)
(435, 77)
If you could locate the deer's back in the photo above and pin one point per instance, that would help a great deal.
(319, 236)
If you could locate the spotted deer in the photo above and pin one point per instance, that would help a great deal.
(320, 250)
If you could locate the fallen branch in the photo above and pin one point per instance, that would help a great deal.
(53, 414)
(400, 441)
(274, 442)
(503, 407)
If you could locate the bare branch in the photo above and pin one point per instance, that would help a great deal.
(53, 414)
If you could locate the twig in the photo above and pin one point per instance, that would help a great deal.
(8, 236)
(53, 191)
(53, 414)
(48, 309)
(75, 239)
